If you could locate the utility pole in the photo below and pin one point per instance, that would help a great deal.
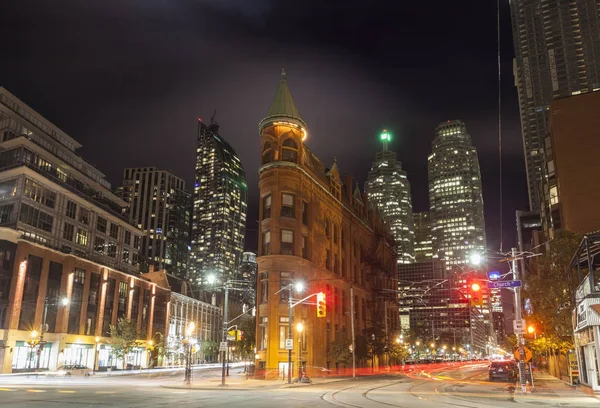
(225, 323)
(352, 329)
(520, 340)
(291, 305)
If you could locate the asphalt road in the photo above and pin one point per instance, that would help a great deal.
(440, 387)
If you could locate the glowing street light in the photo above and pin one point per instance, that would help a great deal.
(475, 259)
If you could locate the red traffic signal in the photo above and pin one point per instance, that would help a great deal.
(321, 305)
(476, 295)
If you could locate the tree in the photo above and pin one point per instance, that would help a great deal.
(124, 336)
(398, 352)
(210, 348)
(549, 290)
(339, 351)
(247, 343)
(160, 348)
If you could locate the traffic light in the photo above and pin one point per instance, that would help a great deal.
(476, 295)
(321, 305)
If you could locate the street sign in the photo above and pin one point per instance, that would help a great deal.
(289, 344)
(504, 284)
(519, 326)
(493, 275)
(223, 346)
(528, 354)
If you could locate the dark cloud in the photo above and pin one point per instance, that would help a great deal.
(129, 78)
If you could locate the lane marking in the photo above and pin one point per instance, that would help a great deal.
(7, 389)
(32, 390)
(67, 391)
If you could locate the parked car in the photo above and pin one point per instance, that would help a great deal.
(504, 370)
(69, 370)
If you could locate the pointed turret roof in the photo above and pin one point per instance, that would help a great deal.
(283, 106)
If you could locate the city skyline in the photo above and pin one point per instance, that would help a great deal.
(351, 108)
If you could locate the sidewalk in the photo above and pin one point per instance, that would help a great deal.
(548, 387)
(240, 383)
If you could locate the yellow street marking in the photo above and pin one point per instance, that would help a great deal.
(6, 389)
(36, 390)
(105, 392)
(67, 391)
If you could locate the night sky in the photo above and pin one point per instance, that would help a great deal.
(128, 79)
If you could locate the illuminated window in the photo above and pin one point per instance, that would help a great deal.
(553, 195)
(266, 244)
(287, 205)
(287, 242)
(289, 151)
(267, 207)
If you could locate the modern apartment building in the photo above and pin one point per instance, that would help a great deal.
(219, 209)
(423, 237)
(455, 197)
(36, 280)
(54, 197)
(557, 54)
(317, 229)
(159, 205)
(388, 190)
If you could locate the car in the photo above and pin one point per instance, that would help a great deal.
(73, 369)
(504, 370)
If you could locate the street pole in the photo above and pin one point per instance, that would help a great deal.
(471, 330)
(352, 329)
(225, 317)
(42, 330)
(290, 305)
(387, 341)
(520, 340)
(299, 351)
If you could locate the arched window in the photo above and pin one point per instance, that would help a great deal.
(289, 151)
(267, 155)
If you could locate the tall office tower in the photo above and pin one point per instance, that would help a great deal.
(455, 198)
(436, 308)
(54, 197)
(248, 271)
(219, 211)
(557, 48)
(423, 239)
(160, 207)
(388, 190)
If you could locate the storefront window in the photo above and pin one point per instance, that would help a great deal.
(25, 358)
(78, 354)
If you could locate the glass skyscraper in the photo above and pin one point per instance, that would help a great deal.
(219, 210)
(388, 190)
(557, 54)
(455, 198)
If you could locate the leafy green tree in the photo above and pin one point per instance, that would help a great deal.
(549, 288)
(247, 343)
(339, 350)
(398, 352)
(124, 336)
(210, 348)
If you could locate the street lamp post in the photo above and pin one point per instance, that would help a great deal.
(188, 351)
(299, 328)
(224, 338)
(96, 351)
(299, 287)
(64, 301)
